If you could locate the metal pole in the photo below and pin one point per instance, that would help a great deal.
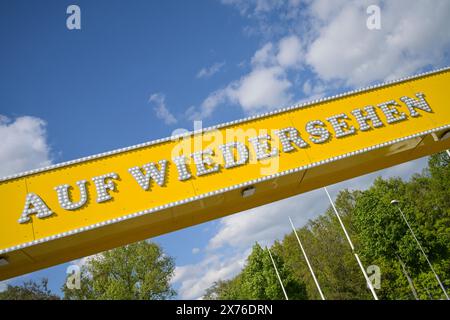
(369, 283)
(424, 254)
(307, 261)
(411, 284)
(278, 275)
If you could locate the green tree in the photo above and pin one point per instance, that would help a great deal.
(29, 290)
(329, 253)
(139, 271)
(258, 280)
(380, 236)
(225, 290)
(385, 238)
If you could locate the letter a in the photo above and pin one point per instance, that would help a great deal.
(74, 20)
(34, 204)
(374, 20)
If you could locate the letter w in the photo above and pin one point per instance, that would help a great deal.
(151, 172)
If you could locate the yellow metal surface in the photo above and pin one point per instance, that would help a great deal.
(19, 243)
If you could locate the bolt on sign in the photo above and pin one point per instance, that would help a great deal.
(77, 208)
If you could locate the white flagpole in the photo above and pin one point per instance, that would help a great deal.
(411, 284)
(369, 283)
(278, 275)
(307, 261)
(421, 249)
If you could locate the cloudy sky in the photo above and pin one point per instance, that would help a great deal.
(141, 70)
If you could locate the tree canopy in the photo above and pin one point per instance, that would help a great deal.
(258, 280)
(29, 290)
(143, 271)
(139, 271)
(381, 238)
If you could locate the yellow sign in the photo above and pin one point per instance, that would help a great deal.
(69, 210)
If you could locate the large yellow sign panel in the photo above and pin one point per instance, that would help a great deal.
(56, 214)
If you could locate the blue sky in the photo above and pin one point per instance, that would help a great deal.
(139, 70)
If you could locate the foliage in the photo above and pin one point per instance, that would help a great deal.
(258, 280)
(139, 271)
(384, 236)
(380, 235)
(29, 290)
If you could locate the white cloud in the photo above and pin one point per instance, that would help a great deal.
(290, 52)
(254, 7)
(228, 248)
(267, 5)
(262, 89)
(159, 106)
(195, 250)
(265, 87)
(209, 104)
(337, 44)
(294, 3)
(24, 144)
(194, 279)
(208, 72)
(346, 49)
(324, 10)
(266, 223)
(313, 89)
(265, 56)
